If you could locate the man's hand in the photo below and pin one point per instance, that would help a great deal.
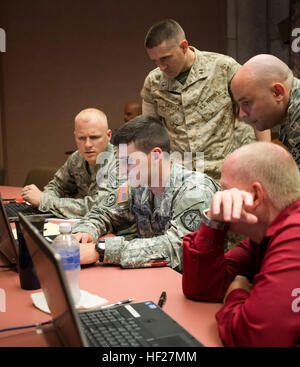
(83, 237)
(238, 282)
(32, 194)
(232, 206)
(88, 253)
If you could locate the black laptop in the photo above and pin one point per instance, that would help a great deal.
(8, 244)
(141, 324)
(13, 207)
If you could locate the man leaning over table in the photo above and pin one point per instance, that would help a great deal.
(164, 199)
(258, 280)
(75, 186)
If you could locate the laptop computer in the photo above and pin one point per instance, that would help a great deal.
(137, 324)
(14, 207)
(8, 244)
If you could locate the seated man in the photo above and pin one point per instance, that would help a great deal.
(131, 110)
(165, 201)
(74, 188)
(258, 280)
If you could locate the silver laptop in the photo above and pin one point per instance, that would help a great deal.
(141, 324)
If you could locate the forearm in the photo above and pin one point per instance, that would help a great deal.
(204, 266)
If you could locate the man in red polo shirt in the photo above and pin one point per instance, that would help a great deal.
(259, 279)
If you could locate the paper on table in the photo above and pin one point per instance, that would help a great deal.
(50, 229)
(87, 300)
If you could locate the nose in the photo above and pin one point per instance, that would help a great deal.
(88, 142)
(162, 66)
(243, 113)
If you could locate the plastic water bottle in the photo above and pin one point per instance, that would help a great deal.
(68, 247)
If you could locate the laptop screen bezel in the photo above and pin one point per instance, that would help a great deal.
(32, 236)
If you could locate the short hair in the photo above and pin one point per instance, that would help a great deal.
(145, 132)
(165, 30)
(273, 167)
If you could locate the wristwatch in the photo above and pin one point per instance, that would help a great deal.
(212, 223)
(100, 248)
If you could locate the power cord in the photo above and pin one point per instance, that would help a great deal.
(26, 326)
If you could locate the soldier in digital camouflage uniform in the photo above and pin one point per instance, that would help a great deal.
(243, 133)
(163, 214)
(74, 188)
(269, 96)
(190, 93)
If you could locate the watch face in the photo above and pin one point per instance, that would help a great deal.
(191, 220)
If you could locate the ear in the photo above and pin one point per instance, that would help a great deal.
(184, 45)
(258, 194)
(278, 91)
(109, 135)
(156, 153)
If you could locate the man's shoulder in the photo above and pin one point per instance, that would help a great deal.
(210, 56)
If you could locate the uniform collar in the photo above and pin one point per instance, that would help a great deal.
(198, 71)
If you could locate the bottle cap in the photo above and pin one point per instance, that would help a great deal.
(65, 228)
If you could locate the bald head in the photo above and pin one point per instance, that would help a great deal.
(265, 69)
(92, 115)
(262, 87)
(269, 164)
(91, 133)
(132, 109)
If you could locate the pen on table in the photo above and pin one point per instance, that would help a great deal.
(162, 299)
(161, 263)
(119, 303)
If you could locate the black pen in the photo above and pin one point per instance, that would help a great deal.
(119, 303)
(162, 299)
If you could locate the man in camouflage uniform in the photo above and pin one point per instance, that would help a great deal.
(269, 96)
(190, 93)
(75, 187)
(243, 133)
(166, 203)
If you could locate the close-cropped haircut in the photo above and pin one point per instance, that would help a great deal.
(145, 132)
(165, 30)
(273, 167)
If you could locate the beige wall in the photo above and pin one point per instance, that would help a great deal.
(63, 56)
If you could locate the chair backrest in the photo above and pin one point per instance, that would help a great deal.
(2, 175)
(40, 176)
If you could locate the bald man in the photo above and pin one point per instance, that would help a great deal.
(269, 96)
(132, 109)
(74, 189)
(258, 280)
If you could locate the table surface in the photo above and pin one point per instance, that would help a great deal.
(114, 284)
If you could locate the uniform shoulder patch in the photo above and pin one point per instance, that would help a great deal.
(191, 220)
(123, 193)
(110, 199)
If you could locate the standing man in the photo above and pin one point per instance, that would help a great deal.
(189, 92)
(269, 96)
(165, 201)
(258, 280)
(74, 188)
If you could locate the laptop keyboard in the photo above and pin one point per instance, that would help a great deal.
(13, 208)
(108, 328)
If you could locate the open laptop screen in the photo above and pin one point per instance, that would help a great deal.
(51, 276)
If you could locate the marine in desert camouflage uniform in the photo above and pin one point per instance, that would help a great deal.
(75, 187)
(162, 215)
(190, 93)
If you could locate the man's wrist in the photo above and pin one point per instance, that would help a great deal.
(212, 223)
(100, 248)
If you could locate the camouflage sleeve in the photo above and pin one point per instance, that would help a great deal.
(69, 207)
(106, 216)
(186, 218)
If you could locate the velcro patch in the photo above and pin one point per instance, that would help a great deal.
(123, 193)
(191, 220)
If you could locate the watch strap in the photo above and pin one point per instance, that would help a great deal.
(212, 223)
